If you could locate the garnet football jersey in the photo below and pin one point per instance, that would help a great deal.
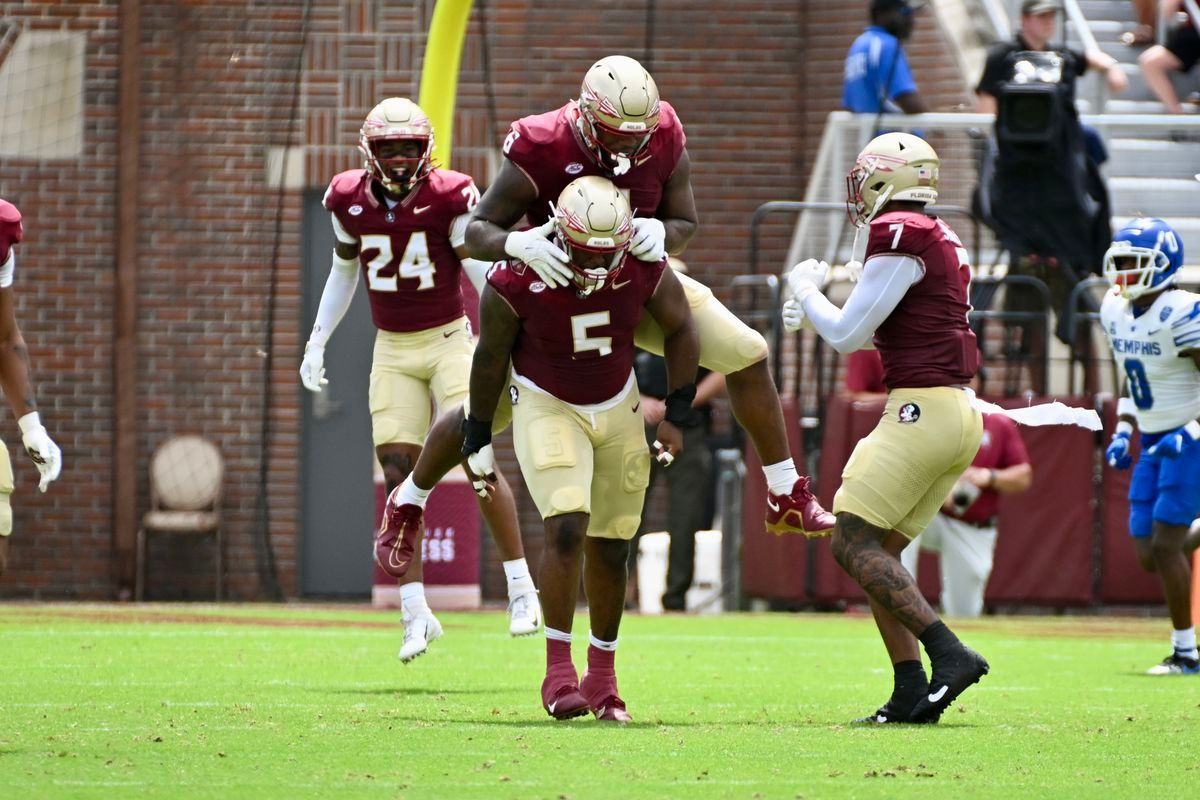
(578, 349)
(10, 229)
(926, 340)
(549, 149)
(411, 269)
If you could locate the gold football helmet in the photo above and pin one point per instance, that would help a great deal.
(594, 226)
(618, 110)
(894, 166)
(397, 140)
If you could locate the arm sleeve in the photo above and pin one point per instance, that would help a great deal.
(476, 272)
(458, 230)
(884, 281)
(7, 269)
(341, 233)
(335, 300)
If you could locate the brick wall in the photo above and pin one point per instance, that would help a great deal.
(751, 82)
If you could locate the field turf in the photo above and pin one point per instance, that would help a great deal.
(310, 702)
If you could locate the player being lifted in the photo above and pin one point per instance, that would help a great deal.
(14, 380)
(1154, 331)
(912, 298)
(401, 221)
(620, 129)
(578, 432)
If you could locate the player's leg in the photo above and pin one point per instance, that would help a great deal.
(1176, 504)
(896, 479)
(450, 383)
(729, 346)
(967, 555)
(620, 476)
(556, 463)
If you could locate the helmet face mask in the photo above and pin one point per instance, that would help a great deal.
(594, 227)
(618, 111)
(397, 140)
(894, 166)
(1144, 258)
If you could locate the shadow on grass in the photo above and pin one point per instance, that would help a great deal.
(403, 690)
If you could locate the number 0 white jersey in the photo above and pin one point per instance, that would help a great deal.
(1164, 386)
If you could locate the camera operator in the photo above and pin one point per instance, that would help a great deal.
(1041, 189)
(964, 531)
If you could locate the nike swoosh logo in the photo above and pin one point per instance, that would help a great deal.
(448, 334)
(552, 706)
(394, 562)
(771, 504)
(636, 406)
(600, 711)
(421, 209)
(619, 285)
(939, 694)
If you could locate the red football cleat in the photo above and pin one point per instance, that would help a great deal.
(560, 694)
(397, 536)
(601, 693)
(798, 512)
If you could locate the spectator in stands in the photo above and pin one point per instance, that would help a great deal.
(877, 77)
(690, 478)
(1041, 190)
(1179, 54)
(864, 376)
(964, 531)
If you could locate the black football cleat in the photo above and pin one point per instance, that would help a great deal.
(951, 677)
(895, 710)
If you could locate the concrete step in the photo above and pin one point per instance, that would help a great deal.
(1151, 159)
(1108, 10)
(1159, 197)
(1118, 105)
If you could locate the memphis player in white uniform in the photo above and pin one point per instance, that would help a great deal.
(1154, 330)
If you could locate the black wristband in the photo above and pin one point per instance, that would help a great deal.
(679, 404)
(477, 434)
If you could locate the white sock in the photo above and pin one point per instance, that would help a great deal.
(519, 580)
(600, 644)
(412, 599)
(557, 635)
(1185, 642)
(408, 493)
(781, 477)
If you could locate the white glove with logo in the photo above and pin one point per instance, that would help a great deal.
(483, 465)
(793, 315)
(808, 273)
(533, 247)
(312, 368)
(649, 240)
(41, 448)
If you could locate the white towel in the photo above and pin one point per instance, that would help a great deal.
(1053, 413)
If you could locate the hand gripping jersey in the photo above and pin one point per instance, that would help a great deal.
(407, 257)
(926, 341)
(1147, 348)
(578, 349)
(548, 148)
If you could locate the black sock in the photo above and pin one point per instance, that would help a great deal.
(939, 640)
(909, 678)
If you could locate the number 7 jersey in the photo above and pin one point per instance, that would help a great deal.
(1152, 351)
(407, 250)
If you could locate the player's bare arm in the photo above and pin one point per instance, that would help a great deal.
(14, 360)
(681, 349)
(677, 210)
(498, 328)
(500, 207)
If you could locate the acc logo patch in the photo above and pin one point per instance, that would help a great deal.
(574, 168)
(513, 394)
(909, 413)
(1166, 312)
(355, 210)
(537, 287)
(391, 216)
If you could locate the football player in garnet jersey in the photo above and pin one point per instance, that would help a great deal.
(14, 379)
(401, 221)
(912, 298)
(621, 130)
(1154, 330)
(578, 432)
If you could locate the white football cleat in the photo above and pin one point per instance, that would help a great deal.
(419, 631)
(524, 614)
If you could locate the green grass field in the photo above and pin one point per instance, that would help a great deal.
(282, 702)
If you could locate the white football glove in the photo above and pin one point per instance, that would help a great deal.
(483, 466)
(809, 272)
(312, 368)
(532, 247)
(793, 315)
(41, 448)
(649, 240)
(854, 270)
